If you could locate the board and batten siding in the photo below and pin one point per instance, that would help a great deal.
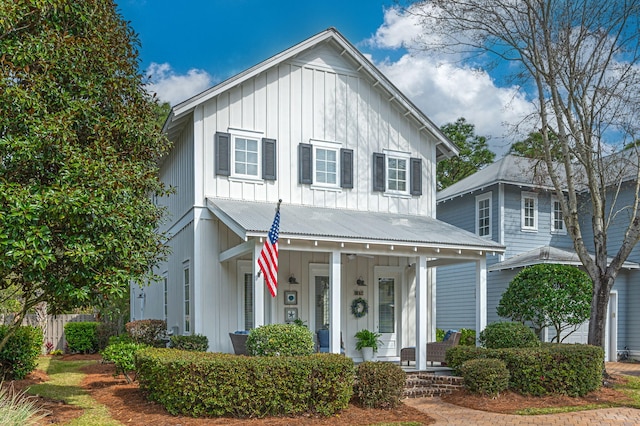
(317, 97)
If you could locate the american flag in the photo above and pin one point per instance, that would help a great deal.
(268, 260)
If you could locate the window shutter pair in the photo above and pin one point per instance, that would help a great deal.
(379, 174)
(223, 156)
(305, 165)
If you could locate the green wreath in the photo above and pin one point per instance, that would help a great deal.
(359, 307)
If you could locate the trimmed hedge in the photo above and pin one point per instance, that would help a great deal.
(280, 340)
(215, 384)
(82, 337)
(379, 385)
(508, 335)
(553, 368)
(194, 342)
(485, 376)
(19, 356)
(150, 332)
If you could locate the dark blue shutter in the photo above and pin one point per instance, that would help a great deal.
(415, 174)
(378, 172)
(305, 163)
(346, 168)
(223, 154)
(268, 159)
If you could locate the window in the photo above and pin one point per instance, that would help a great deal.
(397, 173)
(557, 219)
(483, 215)
(248, 301)
(187, 298)
(529, 211)
(327, 166)
(245, 154)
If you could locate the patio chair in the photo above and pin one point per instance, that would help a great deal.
(239, 342)
(323, 341)
(436, 351)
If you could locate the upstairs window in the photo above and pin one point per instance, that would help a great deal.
(483, 215)
(529, 212)
(325, 164)
(397, 173)
(557, 218)
(245, 154)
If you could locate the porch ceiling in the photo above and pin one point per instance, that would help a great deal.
(384, 232)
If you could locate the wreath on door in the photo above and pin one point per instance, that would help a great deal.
(359, 307)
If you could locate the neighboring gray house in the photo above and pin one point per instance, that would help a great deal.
(509, 203)
(353, 161)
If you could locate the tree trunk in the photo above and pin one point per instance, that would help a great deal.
(599, 311)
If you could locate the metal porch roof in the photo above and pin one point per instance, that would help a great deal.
(249, 219)
(546, 254)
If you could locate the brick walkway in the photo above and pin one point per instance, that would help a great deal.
(448, 414)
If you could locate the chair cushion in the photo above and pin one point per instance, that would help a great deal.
(323, 339)
(448, 334)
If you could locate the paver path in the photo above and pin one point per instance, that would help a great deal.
(448, 414)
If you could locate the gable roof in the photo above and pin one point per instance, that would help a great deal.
(445, 148)
(510, 169)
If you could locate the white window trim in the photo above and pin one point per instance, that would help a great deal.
(186, 267)
(400, 155)
(243, 268)
(523, 196)
(553, 228)
(328, 145)
(248, 134)
(479, 198)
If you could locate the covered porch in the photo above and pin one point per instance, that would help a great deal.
(332, 258)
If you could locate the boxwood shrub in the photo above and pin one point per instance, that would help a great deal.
(508, 335)
(552, 368)
(214, 384)
(485, 376)
(82, 336)
(379, 385)
(19, 356)
(192, 342)
(280, 340)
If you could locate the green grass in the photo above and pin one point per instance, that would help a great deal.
(64, 385)
(558, 410)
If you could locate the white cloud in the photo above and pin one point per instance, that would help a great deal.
(174, 88)
(445, 89)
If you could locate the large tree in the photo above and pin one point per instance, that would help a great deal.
(79, 147)
(474, 153)
(578, 61)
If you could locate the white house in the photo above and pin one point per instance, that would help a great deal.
(353, 161)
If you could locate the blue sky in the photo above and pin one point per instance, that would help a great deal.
(189, 46)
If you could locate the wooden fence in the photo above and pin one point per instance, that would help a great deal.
(55, 326)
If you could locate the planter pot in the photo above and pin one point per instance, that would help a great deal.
(367, 354)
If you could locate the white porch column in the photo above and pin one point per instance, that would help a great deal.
(258, 287)
(334, 302)
(423, 312)
(481, 295)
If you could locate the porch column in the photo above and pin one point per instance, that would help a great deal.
(423, 312)
(481, 296)
(334, 302)
(258, 287)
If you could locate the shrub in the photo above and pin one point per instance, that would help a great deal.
(82, 336)
(104, 332)
(280, 340)
(378, 385)
(216, 384)
(485, 376)
(467, 336)
(20, 354)
(150, 332)
(573, 370)
(122, 355)
(508, 335)
(195, 342)
(18, 409)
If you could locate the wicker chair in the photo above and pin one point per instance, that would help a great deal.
(435, 350)
(239, 342)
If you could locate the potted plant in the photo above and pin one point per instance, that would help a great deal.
(367, 342)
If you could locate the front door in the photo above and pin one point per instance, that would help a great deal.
(387, 309)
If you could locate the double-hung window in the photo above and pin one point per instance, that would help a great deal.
(529, 212)
(483, 215)
(245, 154)
(245, 157)
(326, 164)
(397, 172)
(557, 218)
